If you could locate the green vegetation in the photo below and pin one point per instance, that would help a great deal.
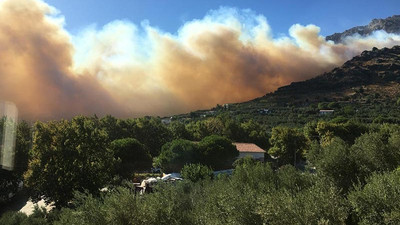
(288, 144)
(174, 155)
(214, 151)
(378, 201)
(321, 173)
(68, 156)
(217, 152)
(132, 156)
(196, 172)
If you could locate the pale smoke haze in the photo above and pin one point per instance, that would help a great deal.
(124, 69)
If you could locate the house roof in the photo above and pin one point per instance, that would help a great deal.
(248, 147)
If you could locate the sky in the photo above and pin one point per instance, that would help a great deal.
(170, 15)
(160, 58)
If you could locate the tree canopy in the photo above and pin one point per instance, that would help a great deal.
(174, 155)
(68, 156)
(287, 144)
(217, 152)
(132, 156)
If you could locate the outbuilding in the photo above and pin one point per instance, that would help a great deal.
(250, 149)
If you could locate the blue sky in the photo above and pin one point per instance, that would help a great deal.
(169, 15)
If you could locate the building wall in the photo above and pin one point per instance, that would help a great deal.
(255, 155)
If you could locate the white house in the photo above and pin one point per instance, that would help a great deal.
(166, 120)
(326, 111)
(250, 149)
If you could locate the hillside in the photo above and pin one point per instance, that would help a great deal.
(379, 67)
(365, 88)
(390, 25)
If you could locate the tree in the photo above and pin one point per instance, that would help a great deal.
(310, 131)
(287, 144)
(322, 105)
(319, 204)
(196, 172)
(348, 131)
(333, 105)
(247, 160)
(152, 133)
(112, 127)
(233, 130)
(179, 131)
(348, 110)
(132, 156)
(68, 156)
(378, 202)
(174, 155)
(376, 151)
(23, 144)
(255, 133)
(335, 162)
(217, 152)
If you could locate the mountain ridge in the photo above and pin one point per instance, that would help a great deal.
(389, 25)
(366, 87)
(370, 67)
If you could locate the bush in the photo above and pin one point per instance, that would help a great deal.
(12, 218)
(196, 172)
(217, 152)
(68, 156)
(132, 156)
(378, 202)
(170, 205)
(247, 160)
(318, 204)
(335, 162)
(376, 152)
(339, 119)
(174, 155)
(287, 144)
(39, 217)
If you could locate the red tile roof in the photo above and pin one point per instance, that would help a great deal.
(248, 147)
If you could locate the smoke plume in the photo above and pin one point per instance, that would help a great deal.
(124, 69)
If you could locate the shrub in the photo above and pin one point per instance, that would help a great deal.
(174, 155)
(378, 202)
(196, 172)
(132, 156)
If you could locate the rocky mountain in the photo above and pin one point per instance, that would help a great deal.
(379, 66)
(390, 25)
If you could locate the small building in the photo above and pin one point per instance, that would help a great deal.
(166, 121)
(250, 149)
(264, 111)
(225, 106)
(326, 111)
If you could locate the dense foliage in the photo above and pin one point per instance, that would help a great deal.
(196, 172)
(342, 172)
(287, 144)
(255, 194)
(131, 155)
(68, 156)
(217, 152)
(174, 155)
